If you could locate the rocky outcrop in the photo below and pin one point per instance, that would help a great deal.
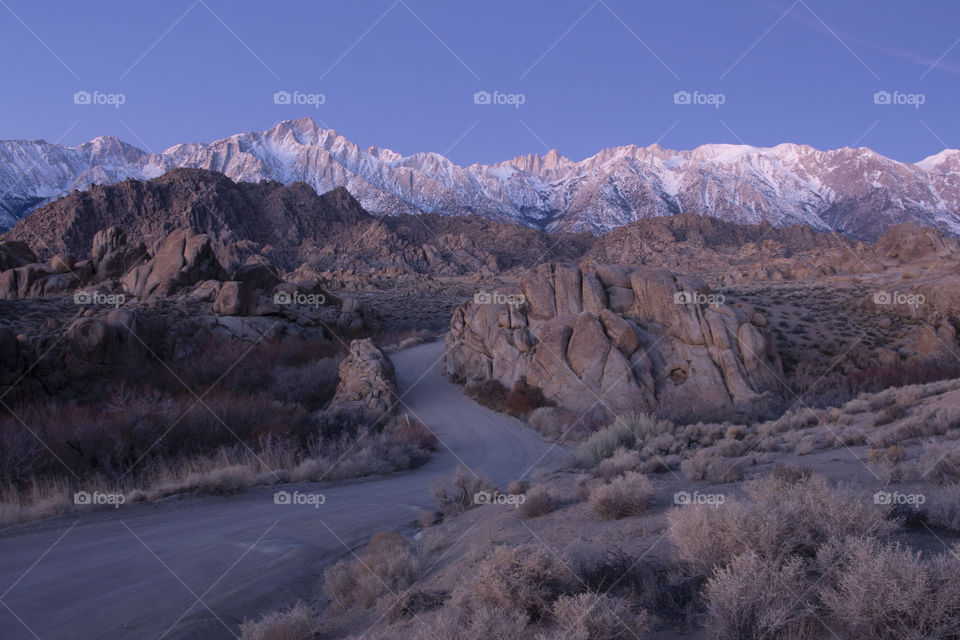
(185, 258)
(111, 254)
(368, 384)
(616, 338)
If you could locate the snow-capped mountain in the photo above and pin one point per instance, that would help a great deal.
(854, 191)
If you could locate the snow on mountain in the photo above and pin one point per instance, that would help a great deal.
(854, 191)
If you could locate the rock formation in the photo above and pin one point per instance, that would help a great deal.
(616, 338)
(368, 384)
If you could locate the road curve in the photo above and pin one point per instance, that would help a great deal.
(194, 568)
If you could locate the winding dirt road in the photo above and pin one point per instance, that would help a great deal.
(194, 568)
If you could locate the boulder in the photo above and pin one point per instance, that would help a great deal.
(257, 274)
(184, 259)
(368, 384)
(235, 299)
(112, 256)
(62, 263)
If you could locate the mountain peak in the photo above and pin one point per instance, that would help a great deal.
(782, 185)
(537, 164)
(946, 161)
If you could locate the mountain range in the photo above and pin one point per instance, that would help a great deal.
(857, 192)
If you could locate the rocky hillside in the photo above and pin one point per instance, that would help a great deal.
(853, 191)
(291, 226)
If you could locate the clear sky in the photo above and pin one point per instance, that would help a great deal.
(578, 75)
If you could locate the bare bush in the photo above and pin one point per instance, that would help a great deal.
(521, 400)
(622, 461)
(458, 495)
(602, 444)
(703, 465)
(296, 623)
(386, 567)
(780, 519)
(755, 598)
(523, 579)
(539, 501)
(625, 496)
(885, 591)
(561, 424)
(939, 463)
(589, 616)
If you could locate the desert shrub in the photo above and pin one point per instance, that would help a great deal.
(518, 401)
(413, 602)
(942, 508)
(518, 487)
(702, 465)
(625, 496)
(386, 567)
(490, 393)
(523, 399)
(755, 598)
(561, 424)
(778, 520)
(939, 463)
(890, 414)
(458, 495)
(602, 444)
(602, 568)
(622, 461)
(410, 431)
(524, 579)
(791, 473)
(539, 501)
(884, 591)
(311, 385)
(589, 616)
(296, 623)
(480, 623)
(645, 426)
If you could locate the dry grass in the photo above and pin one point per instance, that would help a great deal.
(228, 470)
